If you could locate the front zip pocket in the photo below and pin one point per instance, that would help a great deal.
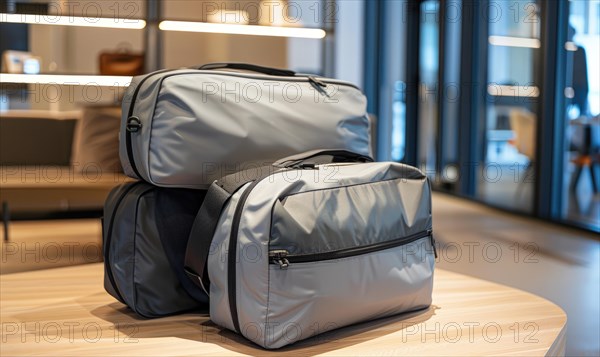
(314, 293)
(284, 259)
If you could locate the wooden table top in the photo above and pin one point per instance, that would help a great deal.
(65, 311)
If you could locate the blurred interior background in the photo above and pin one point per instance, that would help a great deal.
(497, 101)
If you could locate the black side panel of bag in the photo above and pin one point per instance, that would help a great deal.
(113, 202)
(175, 212)
(141, 265)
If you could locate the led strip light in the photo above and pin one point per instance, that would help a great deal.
(234, 29)
(65, 20)
(67, 79)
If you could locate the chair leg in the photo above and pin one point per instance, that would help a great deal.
(5, 219)
(522, 181)
(575, 178)
(594, 178)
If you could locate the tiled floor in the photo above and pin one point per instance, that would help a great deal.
(558, 263)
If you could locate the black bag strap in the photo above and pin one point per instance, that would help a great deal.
(249, 67)
(174, 218)
(331, 156)
(205, 223)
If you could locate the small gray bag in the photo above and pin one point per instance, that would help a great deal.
(145, 234)
(188, 127)
(300, 248)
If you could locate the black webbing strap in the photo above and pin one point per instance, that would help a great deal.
(174, 214)
(205, 224)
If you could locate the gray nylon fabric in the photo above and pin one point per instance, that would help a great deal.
(310, 298)
(278, 307)
(217, 264)
(299, 225)
(140, 267)
(225, 121)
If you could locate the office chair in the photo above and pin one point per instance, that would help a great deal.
(587, 154)
(522, 123)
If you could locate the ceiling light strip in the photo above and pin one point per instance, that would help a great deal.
(235, 29)
(67, 79)
(65, 20)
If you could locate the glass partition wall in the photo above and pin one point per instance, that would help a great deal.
(497, 101)
(429, 91)
(506, 174)
(580, 197)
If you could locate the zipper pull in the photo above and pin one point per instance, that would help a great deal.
(279, 257)
(133, 124)
(433, 243)
(306, 166)
(318, 84)
(317, 81)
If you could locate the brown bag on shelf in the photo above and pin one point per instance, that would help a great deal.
(121, 62)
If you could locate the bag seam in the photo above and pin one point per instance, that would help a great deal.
(352, 185)
(133, 285)
(160, 86)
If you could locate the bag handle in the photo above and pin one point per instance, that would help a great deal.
(249, 67)
(336, 156)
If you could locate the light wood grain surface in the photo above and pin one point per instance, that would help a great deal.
(44, 244)
(59, 177)
(56, 188)
(65, 311)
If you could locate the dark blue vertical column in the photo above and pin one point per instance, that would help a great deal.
(473, 81)
(372, 46)
(413, 40)
(441, 101)
(551, 109)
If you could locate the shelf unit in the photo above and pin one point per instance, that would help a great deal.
(154, 26)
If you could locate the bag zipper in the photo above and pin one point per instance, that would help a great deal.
(283, 259)
(318, 85)
(232, 249)
(232, 253)
(108, 240)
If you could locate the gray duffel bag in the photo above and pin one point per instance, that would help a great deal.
(145, 232)
(299, 248)
(188, 127)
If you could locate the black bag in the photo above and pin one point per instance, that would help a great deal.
(145, 234)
